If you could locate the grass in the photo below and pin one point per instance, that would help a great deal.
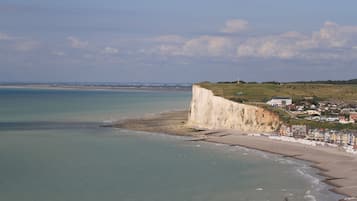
(264, 92)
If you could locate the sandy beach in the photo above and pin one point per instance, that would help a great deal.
(338, 167)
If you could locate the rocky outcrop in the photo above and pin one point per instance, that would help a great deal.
(212, 112)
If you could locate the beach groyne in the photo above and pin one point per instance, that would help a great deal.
(213, 112)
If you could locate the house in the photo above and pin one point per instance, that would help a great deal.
(313, 113)
(316, 134)
(353, 116)
(332, 119)
(299, 131)
(280, 101)
(300, 108)
(345, 120)
(333, 137)
(285, 131)
(351, 139)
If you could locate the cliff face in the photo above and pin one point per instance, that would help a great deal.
(213, 112)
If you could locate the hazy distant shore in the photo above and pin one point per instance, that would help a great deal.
(154, 87)
(338, 167)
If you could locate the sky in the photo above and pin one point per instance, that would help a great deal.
(177, 40)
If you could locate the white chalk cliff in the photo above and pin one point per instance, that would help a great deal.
(212, 112)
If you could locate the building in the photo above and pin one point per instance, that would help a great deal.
(313, 113)
(351, 139)
(353, 116)
(285, 131)
(280, 101)
(316, 134)
(299, 131)
(344, 120)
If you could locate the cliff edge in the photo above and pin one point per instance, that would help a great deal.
(212, 112)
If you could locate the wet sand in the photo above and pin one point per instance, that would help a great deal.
(339, 167)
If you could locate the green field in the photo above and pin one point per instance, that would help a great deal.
(263, 92)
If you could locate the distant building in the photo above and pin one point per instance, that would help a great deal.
(344, 120)
(351, 139)
(313, 112)
(299, 131)
(316, 134)
(285, 131)
(280, 101)
(353, 116)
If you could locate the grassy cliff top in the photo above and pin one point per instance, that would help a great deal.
(262, 92)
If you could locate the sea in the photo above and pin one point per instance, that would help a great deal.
(53, 148)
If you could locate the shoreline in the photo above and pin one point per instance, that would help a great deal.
(339, 168)
(95, 87)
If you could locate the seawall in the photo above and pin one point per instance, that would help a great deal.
(212, 112)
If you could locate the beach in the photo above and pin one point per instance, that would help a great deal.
(338, 167)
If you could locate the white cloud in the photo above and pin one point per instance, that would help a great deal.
(77, 43)
(25, 46)
(110, 50)
(4, 36)
(332, 41)
(169, 39)
(206, 46)
(235, 26)
(334, 35)
(166, 49)
(21, 44)
(270, 46)
(200, 46)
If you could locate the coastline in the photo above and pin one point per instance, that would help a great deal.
(95, 87)
(336, 166)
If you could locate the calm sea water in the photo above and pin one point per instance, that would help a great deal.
(52, 149)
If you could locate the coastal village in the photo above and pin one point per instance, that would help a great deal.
(309, 108)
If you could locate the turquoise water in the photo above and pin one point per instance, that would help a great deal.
(52, 148)
(82, 105)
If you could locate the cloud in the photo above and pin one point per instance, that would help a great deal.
(77, 43)
(334, 35)
(235, 26)
(200, 46)
(26, 45)
(329, 42)
(110, 50)
(332, 41)
(206, 46)
(169, 39)
(4, 36)
(21, 44)
(279, 46)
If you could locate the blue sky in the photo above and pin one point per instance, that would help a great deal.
(177, 41)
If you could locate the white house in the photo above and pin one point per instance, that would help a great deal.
(280, 101)
(313, 112)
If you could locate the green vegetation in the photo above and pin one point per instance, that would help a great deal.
(257, 92)
(353, 81)
(319, 124)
